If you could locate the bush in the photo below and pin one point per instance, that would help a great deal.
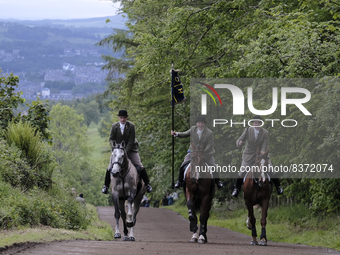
(40, 207)
(34, 150)
(15, 170)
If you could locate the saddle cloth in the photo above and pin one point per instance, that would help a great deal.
(187, 167)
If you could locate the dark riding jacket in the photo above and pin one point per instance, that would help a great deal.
(262, 141)
(129, 136)
(206, 141)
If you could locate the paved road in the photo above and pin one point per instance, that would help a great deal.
(162, 231)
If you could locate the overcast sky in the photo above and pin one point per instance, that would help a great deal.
(56, 9)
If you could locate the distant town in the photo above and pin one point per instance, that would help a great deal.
(91, 73)
(55, 62)
(8, 56)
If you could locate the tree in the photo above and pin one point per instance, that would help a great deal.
(73, 153)
(90, 112)
(226, 39)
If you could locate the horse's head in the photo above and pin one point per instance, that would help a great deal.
(118, 158)
(262, 160)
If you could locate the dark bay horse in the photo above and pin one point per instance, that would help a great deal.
(125, 185)
(257, 190)
(199, 189)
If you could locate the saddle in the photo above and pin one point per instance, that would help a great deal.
(185, 167)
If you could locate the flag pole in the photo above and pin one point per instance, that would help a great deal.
(173, 128)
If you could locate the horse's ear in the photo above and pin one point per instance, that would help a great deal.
(113, 143)
(123, 144)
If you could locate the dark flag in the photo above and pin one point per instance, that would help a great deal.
(177, 95)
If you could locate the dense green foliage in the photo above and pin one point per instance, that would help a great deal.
(32, 190)
(231, 39)
(73, 153)
(39, 157)
(37, 112)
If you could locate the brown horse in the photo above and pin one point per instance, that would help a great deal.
(199, 189)
(257, 190)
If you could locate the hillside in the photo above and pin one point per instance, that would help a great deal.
(33, 46)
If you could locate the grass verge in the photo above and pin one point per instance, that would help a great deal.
(287, 224)
(97, 230)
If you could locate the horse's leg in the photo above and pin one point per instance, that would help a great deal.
(192, 215)
(117, 214)
(129, 220)
(263, 237)
(205, 209)
(136, 206)
(251, 223)
(123, 215)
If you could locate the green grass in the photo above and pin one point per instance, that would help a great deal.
(287, 224)
(97, 230)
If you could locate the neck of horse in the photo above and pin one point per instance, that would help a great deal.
(125, 166)
(250, 176)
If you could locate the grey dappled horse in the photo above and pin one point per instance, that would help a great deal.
(125, 185)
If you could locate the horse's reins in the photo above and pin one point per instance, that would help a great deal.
(257, 189)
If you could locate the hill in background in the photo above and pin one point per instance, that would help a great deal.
(38, 51)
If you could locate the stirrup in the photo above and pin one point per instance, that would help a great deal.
(235, 192)
(148, 188)
(178, 184)
(279, 190)
(219, 184)
(105, 190)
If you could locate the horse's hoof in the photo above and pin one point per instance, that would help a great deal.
(129, 224)
(254, 243)
(201, 239)
(263, 243)
(125, 238)
(194, 238)
(117, 235)
(131, 238)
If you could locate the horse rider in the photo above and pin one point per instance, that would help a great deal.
(125, 130)
(255, 136)
(203, 136)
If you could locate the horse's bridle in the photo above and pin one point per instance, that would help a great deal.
(120, 164)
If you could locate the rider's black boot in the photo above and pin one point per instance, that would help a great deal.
(276, 182)
(217, 180)
(107, 182)
(178, 183)
(144, 176)
(238, 184)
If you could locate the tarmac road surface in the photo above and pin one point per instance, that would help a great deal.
(162, 231)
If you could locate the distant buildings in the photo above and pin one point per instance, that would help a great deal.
(68, 52)
(79, 74)
(45, 92)
(69, 73)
